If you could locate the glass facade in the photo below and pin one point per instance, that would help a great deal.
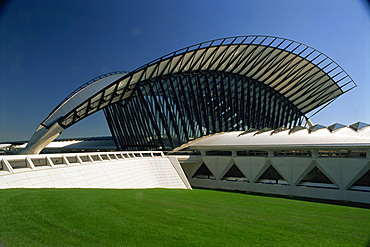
(172, 110)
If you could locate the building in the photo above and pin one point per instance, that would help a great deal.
(244, 104)
(322, 162)
(221, 85)
(65, 145)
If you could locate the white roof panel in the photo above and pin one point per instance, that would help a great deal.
(344, 137)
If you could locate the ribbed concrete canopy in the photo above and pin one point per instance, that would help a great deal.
(344, 137)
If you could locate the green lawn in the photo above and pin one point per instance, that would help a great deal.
(160, 217)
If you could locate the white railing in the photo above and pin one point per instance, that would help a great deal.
(20, 163)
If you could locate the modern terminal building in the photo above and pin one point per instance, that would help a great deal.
(241, 107)
(322, 162)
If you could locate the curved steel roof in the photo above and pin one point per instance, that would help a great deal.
(305, 76)
(81, 94)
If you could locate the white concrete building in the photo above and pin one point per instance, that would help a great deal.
(203, 97)
(113, 170)
(319, 162)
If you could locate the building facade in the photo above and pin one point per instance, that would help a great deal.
(319, 162)
(221, 85)
(242, 104)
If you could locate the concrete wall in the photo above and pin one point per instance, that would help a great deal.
(343, 173)
(118, 170)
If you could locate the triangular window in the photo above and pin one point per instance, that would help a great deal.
(234, 174)
(316, 178)
(203, 173)
(272, 176)
(363, 183)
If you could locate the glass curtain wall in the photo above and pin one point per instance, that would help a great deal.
(169, 111)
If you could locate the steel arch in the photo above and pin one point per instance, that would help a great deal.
(306, 77)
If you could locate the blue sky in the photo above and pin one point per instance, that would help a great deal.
(48, 48)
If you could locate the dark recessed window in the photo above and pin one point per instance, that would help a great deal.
(218, 153)
(292, 153)
(333, 153)
(252, 153)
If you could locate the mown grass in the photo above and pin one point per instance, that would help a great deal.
(160, 217)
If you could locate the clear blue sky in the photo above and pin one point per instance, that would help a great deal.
(50, 47)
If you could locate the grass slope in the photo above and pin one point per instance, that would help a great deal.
(160, 217)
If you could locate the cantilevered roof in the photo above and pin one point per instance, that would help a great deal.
(306, 77)
(78, 144)
(80, 95)
(303, 138)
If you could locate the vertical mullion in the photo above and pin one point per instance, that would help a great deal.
(179, 108)
(264, 101)
(160, 115)
(181, 82)
(248, 102)
(242, 103)
(210, 106)
(202, 101)
(112, 126)
(236, 102)
(144, 124)
(170, 111)
(216, 101)
(230, 103)
(195, 105)
(151, 117)
(222, 103)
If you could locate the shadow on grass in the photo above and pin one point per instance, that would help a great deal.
(299, 198)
